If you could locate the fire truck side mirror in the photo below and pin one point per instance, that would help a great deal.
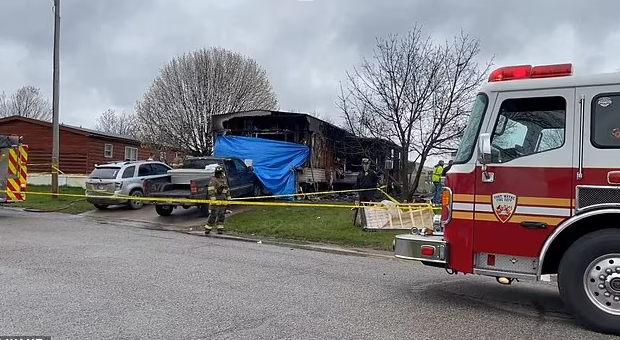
(484, 148)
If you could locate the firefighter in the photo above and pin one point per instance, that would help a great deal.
(177, 162)
(437, 173)
(446, 169)
(218, 190)
(367, 179)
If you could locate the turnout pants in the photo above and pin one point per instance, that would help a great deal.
(216, 218)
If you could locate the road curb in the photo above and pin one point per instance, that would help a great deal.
(196, 231)
(311, 247)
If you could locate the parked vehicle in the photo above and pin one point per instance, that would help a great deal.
(534, 190)
(122, 179)
(192, 179)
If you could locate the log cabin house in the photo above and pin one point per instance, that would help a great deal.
(80, 148)
(335, 154)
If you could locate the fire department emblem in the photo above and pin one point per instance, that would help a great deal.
(604, 102)
(504, 205)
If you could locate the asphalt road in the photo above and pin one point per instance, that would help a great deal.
(73, 278)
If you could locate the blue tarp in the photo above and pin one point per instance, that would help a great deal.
(273, 160)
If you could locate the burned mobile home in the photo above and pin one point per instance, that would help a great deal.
(335, 154)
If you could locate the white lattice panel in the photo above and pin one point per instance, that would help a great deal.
(404, 217)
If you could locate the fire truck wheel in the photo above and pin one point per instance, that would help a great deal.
(589, 280)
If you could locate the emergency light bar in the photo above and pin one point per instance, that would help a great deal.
(531, 72)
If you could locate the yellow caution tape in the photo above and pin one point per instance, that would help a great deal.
(400, 206)
(311, 193)
(388, 196)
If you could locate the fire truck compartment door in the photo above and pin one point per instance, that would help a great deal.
(532, 168)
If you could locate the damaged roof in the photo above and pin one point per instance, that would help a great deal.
(219, 120)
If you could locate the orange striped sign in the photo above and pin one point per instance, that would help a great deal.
(23, 169)
(13, 184)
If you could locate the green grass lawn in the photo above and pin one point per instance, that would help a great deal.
(70, 205)
(309, 224)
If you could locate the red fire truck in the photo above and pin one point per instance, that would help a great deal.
(535, 190)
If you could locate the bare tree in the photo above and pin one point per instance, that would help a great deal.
(415, 93)
(26, 102)
(327, 119)
(4, 105)
(124, 124)
(177, 109)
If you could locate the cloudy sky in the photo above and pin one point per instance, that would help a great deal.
(112, 49)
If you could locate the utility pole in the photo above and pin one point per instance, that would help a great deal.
(56, 103)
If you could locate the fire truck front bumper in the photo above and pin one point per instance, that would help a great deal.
(432, 248)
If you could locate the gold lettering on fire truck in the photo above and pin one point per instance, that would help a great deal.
(504, 205)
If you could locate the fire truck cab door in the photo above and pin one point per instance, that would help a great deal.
(527, 188)
(600, 137)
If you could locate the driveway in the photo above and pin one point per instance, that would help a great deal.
(183, 219)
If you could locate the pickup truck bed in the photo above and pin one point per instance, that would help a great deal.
(173, 193)
(192, 181)
(162, 188)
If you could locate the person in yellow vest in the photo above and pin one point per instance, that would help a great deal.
(437, 173)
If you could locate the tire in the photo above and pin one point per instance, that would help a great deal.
(590, 263)
(257, 190)
(136, 205)
(101, 206)
(203, 210)
(164, 210)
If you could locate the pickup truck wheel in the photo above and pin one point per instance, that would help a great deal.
(164, 210)
(257, 190)
(101, 206)
(137, 204)
(203, 210)
(589, 280)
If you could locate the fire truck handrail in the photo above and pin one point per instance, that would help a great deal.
(567, 223)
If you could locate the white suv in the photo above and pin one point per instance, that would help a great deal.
(121, 179)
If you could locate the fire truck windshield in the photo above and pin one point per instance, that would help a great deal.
(470, 135)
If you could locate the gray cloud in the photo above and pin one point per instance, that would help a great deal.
(112, 49)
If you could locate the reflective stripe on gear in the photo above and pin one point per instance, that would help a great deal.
(220, 227)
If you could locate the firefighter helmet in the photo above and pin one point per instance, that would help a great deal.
(219, 170)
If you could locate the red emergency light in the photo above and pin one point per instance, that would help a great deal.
(531, 72)
(613, 177)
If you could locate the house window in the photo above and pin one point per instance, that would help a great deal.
(131, 153)
(108, 151)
